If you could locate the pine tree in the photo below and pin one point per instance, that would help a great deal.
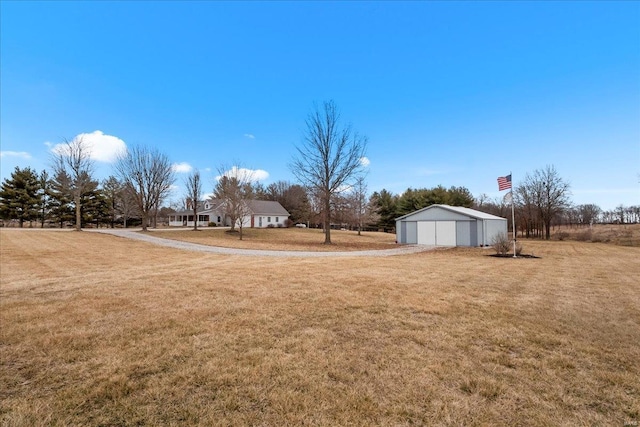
(62, 201)
(19, 196)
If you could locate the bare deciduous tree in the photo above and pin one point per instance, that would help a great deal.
(548, 192)
(359, 196)
(148, 174)
(329, 157)
(73, 158)
(234, 188)
(193, 183)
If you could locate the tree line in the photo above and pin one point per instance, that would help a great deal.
(72, 195)
(331, 190)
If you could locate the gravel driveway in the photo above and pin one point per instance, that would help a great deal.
(147, 237)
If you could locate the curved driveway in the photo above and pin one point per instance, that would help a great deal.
(146, 237)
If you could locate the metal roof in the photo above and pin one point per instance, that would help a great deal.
(459, 209)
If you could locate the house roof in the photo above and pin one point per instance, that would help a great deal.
(263, 207)
(458, 209)
(213, 205)
(257, 207)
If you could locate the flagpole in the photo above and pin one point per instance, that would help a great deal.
(513, 218)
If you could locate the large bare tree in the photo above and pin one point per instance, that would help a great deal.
(193, 183)
(329, 157)
(547, 192)
(73, 158)
(148, 175)
(234, 188)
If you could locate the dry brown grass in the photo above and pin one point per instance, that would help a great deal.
(98, 330)
(291, 239)
(617, 234)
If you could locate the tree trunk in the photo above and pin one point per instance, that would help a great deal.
(145, 220)
(76, 199)
(195, 220)
(327, 220)
(547, 230)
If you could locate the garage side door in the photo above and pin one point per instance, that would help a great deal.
(427, 233)
(445, 233)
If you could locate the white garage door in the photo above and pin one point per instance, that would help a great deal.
(445, 233)
(437, 233)
(427, 233)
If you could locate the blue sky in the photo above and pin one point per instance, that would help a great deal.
(447, 93)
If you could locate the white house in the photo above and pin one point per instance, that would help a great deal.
(263, 214)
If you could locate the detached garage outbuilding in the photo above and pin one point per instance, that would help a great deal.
(444, 225)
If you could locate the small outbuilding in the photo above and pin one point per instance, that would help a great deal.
(444, 225)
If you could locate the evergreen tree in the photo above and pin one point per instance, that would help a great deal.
(113, 191)
(19, 196)
(386, 206)
(62, 209)
(95, 208)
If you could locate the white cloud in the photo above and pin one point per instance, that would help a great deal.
(101, 147)
(21, 154)
(365, 162)
(251, 174)
(249, 135)
(183, 167)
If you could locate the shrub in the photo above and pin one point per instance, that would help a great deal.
(518, 248)
(288, 223)
(500, 243)
(270, 226)
(213, 224)
(561, 235)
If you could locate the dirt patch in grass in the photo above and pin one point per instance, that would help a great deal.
(98, 330)
(289, 239)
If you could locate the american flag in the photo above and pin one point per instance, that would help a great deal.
(504, 182)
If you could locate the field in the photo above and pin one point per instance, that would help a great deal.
(617, 234)
(99, 330)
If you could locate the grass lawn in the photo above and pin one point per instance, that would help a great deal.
(292, 239)
(99, 330)
(617, 234)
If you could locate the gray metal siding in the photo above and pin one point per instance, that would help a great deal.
(401, 232)
(473, 233)
(494, 228)
(412, 232)
(463, 233)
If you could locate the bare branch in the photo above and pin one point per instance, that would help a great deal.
(329, 157)
(148, 174)
(73, 159)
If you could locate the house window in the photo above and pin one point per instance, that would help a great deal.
(276, 219)
(268, 219)
(218, 218)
